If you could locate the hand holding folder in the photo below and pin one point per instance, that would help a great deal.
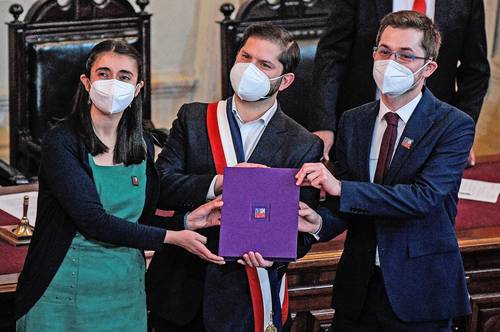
(318, 176)
(254, 259)
(207, 215)
(309, 220)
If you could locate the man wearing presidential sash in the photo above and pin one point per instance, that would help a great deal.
(247, 130)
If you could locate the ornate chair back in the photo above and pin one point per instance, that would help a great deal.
(47, 51)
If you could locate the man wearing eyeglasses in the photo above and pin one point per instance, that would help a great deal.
(343, 61)
(399, 162)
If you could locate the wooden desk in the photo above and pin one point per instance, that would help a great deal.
(10, 268)
(11, 258)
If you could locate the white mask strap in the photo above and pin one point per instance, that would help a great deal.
(416, 82)
(425, 65)
(278, 77)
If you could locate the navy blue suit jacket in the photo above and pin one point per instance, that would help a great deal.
(412, 212)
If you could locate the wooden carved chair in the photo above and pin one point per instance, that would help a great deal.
(305, 19)
(47, 50)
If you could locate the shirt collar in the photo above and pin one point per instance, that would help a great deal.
(265, 118)
(404, 112)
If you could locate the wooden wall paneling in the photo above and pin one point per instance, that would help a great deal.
(483, 281)
(320, 320)
(485, 313)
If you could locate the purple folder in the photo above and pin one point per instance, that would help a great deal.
(260, 213)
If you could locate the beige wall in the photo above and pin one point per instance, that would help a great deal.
(487, 140)
(186, 63)
(195, 46)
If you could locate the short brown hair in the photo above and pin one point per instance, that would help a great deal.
(406, 19)
(290, 52)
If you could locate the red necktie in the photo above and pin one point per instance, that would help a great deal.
(387, 146)
(419, 6)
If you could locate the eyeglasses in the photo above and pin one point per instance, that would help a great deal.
(403, 57)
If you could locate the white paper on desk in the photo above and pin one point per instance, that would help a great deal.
(479, 190)
(13, 204)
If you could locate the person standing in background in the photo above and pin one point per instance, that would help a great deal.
(343, 59)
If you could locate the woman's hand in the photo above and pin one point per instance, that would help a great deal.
(206, 215)
(318, 176)
(309, 220)
(194, 243)
(254, 259)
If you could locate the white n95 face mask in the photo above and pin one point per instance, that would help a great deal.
(250, 83)
(392, 78)
(111, 96)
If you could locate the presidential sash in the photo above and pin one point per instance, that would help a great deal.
(270, 306)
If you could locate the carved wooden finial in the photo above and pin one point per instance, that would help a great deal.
(142, 4)
(227, 9)
(16, 10)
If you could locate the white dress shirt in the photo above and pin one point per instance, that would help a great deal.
(250, 135)
(430, 6)
(404, 113)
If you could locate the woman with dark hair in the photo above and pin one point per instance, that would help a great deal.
(98, 187)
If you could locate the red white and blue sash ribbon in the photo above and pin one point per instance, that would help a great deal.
(227, 150)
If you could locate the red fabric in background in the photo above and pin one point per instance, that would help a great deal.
(420, 6)
(473, 214)
(11, 257)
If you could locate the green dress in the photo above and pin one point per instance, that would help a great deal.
(99, 286)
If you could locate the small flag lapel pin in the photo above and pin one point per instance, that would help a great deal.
(135, 180)
(407, 143)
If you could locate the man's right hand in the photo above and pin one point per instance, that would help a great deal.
(219, 181)
(309, 220)
(254, 259)
(318, 176)
(206, 215)
(327, 136)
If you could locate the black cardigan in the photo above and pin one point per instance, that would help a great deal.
(68, 202)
